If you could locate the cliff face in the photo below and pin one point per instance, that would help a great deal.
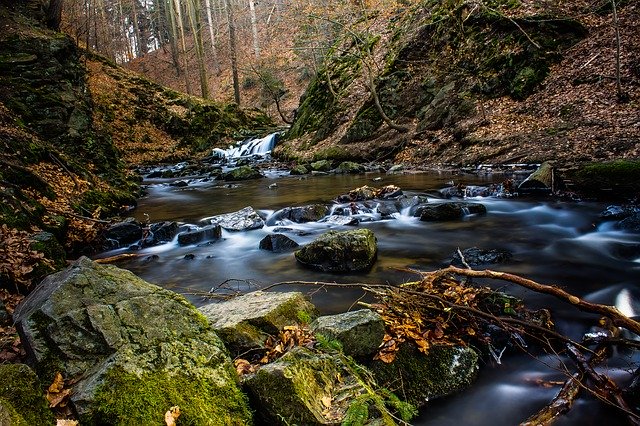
(468, 82)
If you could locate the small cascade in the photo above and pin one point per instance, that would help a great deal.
(250, 147)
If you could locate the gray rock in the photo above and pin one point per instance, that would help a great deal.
(242, 220)
(443, 371)
(631, 223)
(196, 235)
(360, 332)
(340, 220)
(340, 251)
(245, 322)
(164, 231)
(397, 168)
(135, 348)
(449, 211)
(303, 214)
(277, 243)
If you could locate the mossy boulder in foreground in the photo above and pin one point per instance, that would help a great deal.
(340, 251)
(135, 349)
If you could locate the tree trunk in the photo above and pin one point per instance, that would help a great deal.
(214, 51)
(233, 51)
(170, 12)
(136, 29)
(196, 28)
(185, 63)
(254, 28)
(54, 14)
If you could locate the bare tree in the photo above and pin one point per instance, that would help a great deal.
(254, 28)
(233, 52)
(214, 51)
(196, 28)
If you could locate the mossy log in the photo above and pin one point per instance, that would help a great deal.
(541, 181)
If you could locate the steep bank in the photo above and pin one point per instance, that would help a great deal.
(72, 126)
(473, 82)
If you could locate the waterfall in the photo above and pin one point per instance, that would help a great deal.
(260, 147)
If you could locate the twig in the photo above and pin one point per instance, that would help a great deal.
(562, 403)
(117, 258)
(462, 259)
(59, 163)
(618, 318)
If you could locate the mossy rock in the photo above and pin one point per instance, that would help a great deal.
(349, 167)
(359, 332)
(299, 170)
(22, 401)
(617, 179)
(245, 322)
(321, 166)
(243, 173)
(340, 251)
(443, 371)
(93, 322)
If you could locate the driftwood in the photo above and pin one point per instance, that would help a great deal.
(117, 258)
(561, 404)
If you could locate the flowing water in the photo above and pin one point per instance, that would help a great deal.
(552, 242)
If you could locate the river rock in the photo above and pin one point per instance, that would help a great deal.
(349, 167)
(164, 231)
(124, 233)
(277, 243)
(340, 220)
(195, 234)
(321, 166)
(21, 399)
(448, 211)
(443, 371)
(242, 173)
(245, 322)
(242, 220)
(305, 388)
(303, 214)
(340, 251)
(134, 348)
(299, 170)
(474, 256)
(360, 332)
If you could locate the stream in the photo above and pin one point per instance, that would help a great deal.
(552, 242)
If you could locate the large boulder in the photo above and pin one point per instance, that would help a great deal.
(242, 220)
(22, 401)
(321, 166)
(443, 371)
(340, 251)
(135, 349)
(360, 332)
(245, 322)
(349, 167)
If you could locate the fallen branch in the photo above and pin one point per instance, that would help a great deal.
(117, 258)
(561, 404)
(618, 318)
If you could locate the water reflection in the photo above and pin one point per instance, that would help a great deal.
(552, 242)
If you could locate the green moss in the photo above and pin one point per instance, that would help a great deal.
(126, 399)
(443, 371)
(616, 179)
(109, 202)
(334, 153)
(21, 390)
(328, 344)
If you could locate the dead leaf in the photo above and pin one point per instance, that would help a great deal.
(58, 383)
(172, 415)
(65, 422)
(326, 401)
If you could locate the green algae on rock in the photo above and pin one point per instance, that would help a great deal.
(135, 348)
(343, 251)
